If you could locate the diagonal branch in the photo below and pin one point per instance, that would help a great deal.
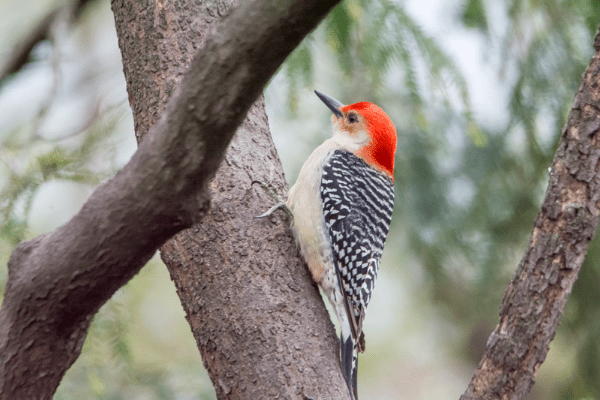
(534, 301)
(58, 281)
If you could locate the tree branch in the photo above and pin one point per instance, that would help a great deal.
(536, 296)
(58, 281)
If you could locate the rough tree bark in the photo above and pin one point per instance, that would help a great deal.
(58, 281)
(534, 301)
(257, 318)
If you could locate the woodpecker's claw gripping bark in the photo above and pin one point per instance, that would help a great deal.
(274, 195)
(275, 208)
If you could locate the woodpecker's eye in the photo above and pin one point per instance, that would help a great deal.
(352, 118)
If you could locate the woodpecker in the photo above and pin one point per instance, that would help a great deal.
(342, 206)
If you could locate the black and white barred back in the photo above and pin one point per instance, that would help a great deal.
(357, 203)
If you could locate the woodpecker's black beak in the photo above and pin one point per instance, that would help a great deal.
(332, 103)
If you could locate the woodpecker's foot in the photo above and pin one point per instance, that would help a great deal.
(275, 208)
(274, 195)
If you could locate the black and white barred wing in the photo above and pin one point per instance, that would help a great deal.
(358, 203)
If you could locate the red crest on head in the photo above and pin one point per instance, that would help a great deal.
(380, 152)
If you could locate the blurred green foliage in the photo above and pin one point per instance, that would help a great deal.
(471, 247)
(474, 15)
(467, 194)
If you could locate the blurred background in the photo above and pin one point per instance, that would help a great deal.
(479, 91)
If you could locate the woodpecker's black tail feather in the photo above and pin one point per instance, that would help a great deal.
(355, 379)
(349, 364)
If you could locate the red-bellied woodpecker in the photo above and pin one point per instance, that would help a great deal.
(342, 206)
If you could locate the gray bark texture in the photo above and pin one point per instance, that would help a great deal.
(258, 320)
(534, 300)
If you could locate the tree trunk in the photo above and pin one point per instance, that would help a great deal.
(534, 301)
(58, 281)
(258, 319)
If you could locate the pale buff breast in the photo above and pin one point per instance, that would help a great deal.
(305, 202)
